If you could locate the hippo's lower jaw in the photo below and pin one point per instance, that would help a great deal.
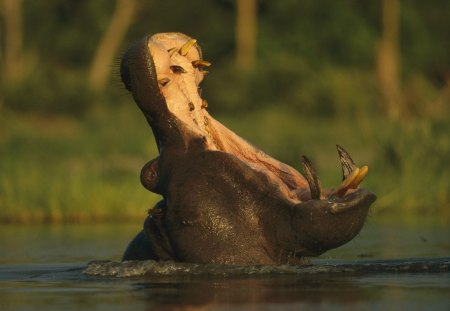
(225, 201)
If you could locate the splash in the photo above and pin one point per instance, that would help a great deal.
(169, 268)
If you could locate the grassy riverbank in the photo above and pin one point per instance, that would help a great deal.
(55, 169)
(62, 169)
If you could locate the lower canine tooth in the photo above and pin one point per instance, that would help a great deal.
(347, 183)
(358, 179)
(347, 163)
(352, 181)
(350, 178)
(313, 181)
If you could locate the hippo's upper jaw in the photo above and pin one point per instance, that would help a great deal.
(224, 200)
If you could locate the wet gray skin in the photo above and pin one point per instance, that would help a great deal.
(224, 200)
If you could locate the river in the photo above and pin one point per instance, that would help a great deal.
(41, 268)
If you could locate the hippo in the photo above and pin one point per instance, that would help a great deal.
(224, 201)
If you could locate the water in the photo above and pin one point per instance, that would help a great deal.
(41, 269)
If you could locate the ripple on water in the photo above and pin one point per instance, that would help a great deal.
(168, 268)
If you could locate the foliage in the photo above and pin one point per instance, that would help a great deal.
(309, 51)
(68, 153)
(66, 169)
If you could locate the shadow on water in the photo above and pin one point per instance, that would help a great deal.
(285, 292)
(42, 269)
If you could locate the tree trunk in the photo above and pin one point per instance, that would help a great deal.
(12, 49)
(387, 60)
(246, 27)
(101, 66)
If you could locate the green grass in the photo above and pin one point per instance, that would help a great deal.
(61, 169)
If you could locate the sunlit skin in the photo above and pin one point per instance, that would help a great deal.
(224, 200)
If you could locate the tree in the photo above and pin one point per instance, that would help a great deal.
(12, 47)
(246, 27)
(387, 60)
(101, 66)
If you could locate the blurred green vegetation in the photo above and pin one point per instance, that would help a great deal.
(69, 153)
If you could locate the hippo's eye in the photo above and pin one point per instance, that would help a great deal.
(177, 69)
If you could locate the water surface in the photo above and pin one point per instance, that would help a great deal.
(41, 269)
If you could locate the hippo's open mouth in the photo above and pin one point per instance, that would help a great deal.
(218, 188)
